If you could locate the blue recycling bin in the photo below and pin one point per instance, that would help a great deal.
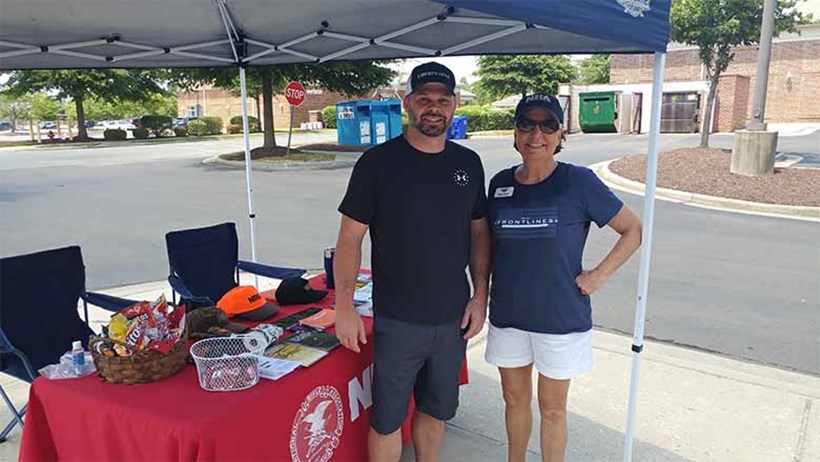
(366, 122)
(353, 123)
(393, 108)
(458, 129)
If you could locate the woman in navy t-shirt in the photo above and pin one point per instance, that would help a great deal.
(540, 313)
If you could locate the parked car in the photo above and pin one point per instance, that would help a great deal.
(48, 125)
(115, 124)
(182, 122)
(5, 126)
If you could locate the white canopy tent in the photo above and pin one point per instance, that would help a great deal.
(76, 34)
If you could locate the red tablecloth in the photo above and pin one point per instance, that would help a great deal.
(323, 409)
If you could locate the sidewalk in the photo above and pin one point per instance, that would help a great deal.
(620, 183)
(692, 406)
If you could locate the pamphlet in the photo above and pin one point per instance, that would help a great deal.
(304, 355)
(314, 339)
(274, 369)
(322, 320)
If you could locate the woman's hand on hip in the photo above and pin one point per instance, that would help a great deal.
(589, 281)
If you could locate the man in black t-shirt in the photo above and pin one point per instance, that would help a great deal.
(422, 199)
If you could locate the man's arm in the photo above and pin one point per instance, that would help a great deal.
(629, 226)
(346, 264)
(476, 311)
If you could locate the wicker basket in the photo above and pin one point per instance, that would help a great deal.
(141, 367)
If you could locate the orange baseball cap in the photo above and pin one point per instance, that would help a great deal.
(245, 302)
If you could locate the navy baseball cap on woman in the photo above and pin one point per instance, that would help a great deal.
(431, 72)
(542, 100)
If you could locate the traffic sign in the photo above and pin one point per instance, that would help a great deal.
(295, 93)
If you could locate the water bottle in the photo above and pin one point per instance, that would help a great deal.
(77, 357)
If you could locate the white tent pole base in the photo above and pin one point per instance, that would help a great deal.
(248, 168)
(646, 249)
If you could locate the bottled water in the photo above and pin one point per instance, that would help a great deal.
(77, 357)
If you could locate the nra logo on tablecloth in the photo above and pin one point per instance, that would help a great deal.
(317, 427)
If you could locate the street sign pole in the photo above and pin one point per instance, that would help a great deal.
(295, 94)
(290, 130)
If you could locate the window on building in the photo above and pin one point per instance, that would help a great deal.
(195, 111)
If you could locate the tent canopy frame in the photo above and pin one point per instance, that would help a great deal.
(503, 16)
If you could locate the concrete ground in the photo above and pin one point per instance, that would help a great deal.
(692, 406)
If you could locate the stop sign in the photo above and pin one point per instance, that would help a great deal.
(295, 93)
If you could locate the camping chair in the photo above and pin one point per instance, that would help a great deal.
(204, 264)
(38, 314)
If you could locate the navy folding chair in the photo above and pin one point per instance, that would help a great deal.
(38, 314)
(204, 264)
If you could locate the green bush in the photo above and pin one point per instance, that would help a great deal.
(205, 126)
(180, 131)
(482, 118)
(234, 128)
(115, 134)
(156, 124)
(140, 133)
(499, 119)
(213, 125)
(253, 124)
(197, 127)
(329, 117)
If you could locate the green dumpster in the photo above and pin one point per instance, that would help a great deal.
(597, 112)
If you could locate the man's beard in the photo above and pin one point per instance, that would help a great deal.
(428, 129)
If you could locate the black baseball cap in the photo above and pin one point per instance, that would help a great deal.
(431, 72)
(297, 291)
(542, 100)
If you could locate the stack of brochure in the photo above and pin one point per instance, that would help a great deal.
(303, 348)
(274, 369)
(304, 355)
(363, 296)
(314, 339)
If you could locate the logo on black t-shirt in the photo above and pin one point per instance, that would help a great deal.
(461, 177)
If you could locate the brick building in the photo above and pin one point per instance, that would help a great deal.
(221, 103)
(794, 78)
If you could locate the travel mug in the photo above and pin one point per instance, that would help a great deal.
(329, 253)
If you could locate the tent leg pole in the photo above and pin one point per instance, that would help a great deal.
(646, 249)
(248, 167)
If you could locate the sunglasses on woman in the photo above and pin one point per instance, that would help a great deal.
(548, 127)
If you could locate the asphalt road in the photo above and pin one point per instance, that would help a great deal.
(741, 285)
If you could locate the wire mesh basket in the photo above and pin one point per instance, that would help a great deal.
(228, 363)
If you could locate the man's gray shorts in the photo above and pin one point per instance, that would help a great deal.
(415, 358)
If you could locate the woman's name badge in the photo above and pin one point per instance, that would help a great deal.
(504, 192)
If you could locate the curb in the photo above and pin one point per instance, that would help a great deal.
(620, 183)
(271, 167)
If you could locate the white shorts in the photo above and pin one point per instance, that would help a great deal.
(558, 357)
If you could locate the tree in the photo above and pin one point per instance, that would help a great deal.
(594, 69)
(500, 76)
(44, 107)
(81, 85)
(14, 109)
(102, 109)
(464, 84)
(716, 27)
(350, 78)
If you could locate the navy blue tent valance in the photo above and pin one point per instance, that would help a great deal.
(43, 34)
